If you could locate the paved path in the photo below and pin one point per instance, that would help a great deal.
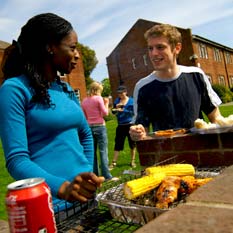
(227, 104)
(4, 227)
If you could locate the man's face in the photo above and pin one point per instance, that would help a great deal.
(161, 53)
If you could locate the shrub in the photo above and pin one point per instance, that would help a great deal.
(223, 92)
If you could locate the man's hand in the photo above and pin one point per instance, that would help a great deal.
(137, 132)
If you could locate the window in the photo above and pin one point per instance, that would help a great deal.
(231, 81)
(217, 55)
(221, 80)
(77, 93)
(203, 51)
(145, 59)
(63, 76)
(228, 57)
(133, 63)
(209, 77)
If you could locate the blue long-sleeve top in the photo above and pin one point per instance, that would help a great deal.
(126, 116)
(53, 143)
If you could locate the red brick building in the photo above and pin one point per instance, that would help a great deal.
(129, 61)
(3, 46)
(76, 79)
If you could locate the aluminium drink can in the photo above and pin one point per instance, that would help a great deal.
(29, 207)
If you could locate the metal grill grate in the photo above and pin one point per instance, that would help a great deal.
(111, 211)
(92, 216)
(142, 209)
(95, 220)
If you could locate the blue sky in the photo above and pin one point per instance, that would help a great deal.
(101, 24)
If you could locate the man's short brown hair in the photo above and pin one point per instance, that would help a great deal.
(166, 30)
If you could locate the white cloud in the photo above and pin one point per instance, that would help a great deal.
(101, 24)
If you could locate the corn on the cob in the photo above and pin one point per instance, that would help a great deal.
(140, 186)
(172, 170)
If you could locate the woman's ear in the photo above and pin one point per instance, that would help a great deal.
(49, 50)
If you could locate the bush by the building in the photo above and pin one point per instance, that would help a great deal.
(225, 94)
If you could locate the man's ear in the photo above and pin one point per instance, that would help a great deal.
(178, 48)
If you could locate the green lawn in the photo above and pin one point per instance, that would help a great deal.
(5, 179)
(122, 164)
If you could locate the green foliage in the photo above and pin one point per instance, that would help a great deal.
(88, 81)
(107, 89)
(89, 62)
(223, 92)
(5, 179)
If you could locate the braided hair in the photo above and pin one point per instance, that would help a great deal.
(26, 56)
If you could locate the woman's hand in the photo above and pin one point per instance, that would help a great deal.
(106, 101)
(82, 188)
(119, 106)
(137, 132)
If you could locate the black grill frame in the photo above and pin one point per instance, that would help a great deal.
(92, 216)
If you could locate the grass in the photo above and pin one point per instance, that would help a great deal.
(122, 163)
(5, 179)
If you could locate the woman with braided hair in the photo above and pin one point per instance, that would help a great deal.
(43, 129)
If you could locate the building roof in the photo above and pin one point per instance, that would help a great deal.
(202, 39)
(195, 37)
(129, 31)
(146, 25)
(3, 44)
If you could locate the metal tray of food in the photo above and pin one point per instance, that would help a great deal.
(125, 210)
(217, 129)
(142, 209)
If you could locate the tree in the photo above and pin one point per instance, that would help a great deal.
(89, 62)
(107, 89)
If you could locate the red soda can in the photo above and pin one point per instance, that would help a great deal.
(29, 207)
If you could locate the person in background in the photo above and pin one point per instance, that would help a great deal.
(43, 130)
(123, 108)
(172, 96)
(95, 107)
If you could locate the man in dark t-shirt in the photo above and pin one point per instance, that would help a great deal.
(172, 96)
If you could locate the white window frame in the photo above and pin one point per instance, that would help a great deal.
(209, 77)
(217, 55)
(228, 58)
(221, 80)
(203, 51)
(231, 81)
(78, 94)
(133, 63)
(145, 60)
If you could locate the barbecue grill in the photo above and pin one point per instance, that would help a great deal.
(110, 211)
(92, 216)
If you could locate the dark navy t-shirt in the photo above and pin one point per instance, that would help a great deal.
(174, 103)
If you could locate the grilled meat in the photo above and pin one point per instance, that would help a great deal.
(188, 184)
(173, 186)
(168, 191)
(200, 182)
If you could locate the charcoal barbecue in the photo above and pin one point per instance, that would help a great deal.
(110, 211)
